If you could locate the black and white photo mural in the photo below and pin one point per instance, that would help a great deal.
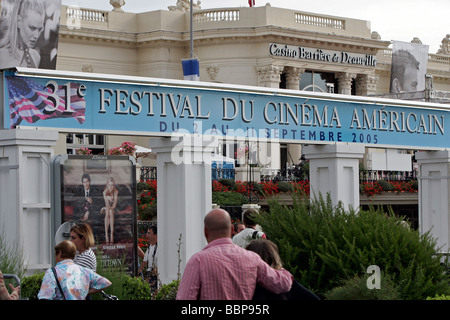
(29, 32)
(408, 68)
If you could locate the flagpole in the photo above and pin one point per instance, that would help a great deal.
(192, 31)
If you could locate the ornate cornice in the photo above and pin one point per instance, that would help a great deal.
(242, 35)
(97, 35)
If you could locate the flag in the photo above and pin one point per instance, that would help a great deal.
(28, 101)
(251, 3)
(191, 69)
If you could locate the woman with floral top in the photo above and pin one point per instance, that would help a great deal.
(70, 281)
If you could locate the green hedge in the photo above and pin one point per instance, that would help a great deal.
(324, 245)
(124, 287)
(224, 198)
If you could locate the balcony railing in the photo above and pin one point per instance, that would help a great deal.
(377, 175)
(296, 174)
(148, 173)
(320, 21)
(92, 15)
(216, 15)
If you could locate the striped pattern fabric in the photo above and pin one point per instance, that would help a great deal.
(86, 259)
(225, 271)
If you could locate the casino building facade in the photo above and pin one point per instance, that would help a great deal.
(260, 46)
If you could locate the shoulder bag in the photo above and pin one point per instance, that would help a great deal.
(57, 282)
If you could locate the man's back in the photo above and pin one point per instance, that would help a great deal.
(224, 271)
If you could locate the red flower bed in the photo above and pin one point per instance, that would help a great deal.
(270, 187)
(371, 188)
(375, 187)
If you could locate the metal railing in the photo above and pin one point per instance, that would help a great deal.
(377, 175)
(296, 174)
(148, 173)
(222, 173)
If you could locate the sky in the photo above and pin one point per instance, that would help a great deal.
(400, 20)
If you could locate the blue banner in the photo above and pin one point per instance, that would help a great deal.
(160, 109)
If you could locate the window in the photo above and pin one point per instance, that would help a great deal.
(317, 81)
(95, 142)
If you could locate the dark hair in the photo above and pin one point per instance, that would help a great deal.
(87, 176)
(154, 229)
(235, 226)
(248, 219)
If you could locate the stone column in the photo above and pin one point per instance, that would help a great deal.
(366, 84)
(184, 198)
(293, 75)
(345, 82)
(434, 190)
(269, 76)
(334, 169)
(25, 193)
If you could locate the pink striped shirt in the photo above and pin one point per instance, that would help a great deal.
(225, 271)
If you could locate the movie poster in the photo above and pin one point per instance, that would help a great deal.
(408, 68)
(101, 190)
(29, 33)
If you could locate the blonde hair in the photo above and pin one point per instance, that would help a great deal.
(84, 231)
(268, 251)
(22, 8)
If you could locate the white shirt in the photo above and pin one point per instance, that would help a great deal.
(151, 257)
(243, 238)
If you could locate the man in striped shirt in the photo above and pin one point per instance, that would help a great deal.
(225, 271)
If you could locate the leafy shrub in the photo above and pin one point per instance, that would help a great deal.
(439, 297)
(30, 286)
(414, 185)
(386, 185)
(270, 188)
(218, 187)
(230, 183)
(370, 188)
(356, 289)
(284, 186)
(147, 211)
(12, 259)
(168, 291)
(245, 186)
(141, 186)
(322, 245)
(136, 289)
(228, 198)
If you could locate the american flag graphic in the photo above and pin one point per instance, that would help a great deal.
(28, 100)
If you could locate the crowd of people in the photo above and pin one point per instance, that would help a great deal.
(238, 263)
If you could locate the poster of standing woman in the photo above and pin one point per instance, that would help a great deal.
(29, 33)
(101, 191)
